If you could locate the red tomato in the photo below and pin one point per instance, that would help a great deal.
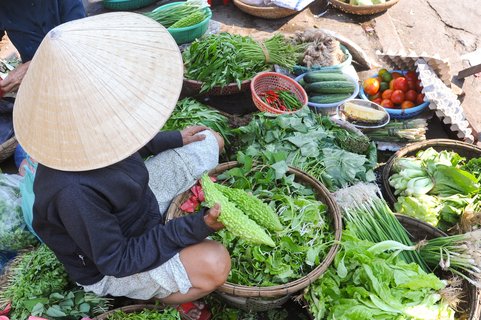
(396, 75)
(419, 86)
(411, 95)
(387, 94)
(407, 104)
(391, 84)
(420, 99)
(411, 75)
(412, 84)
(371, 86)
(378, 100)
(386, 103)
(397, 96)
(401, 84)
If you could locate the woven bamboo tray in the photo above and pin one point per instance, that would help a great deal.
(271, 297)
(264, 12)
(7, 148)
(129, 309)
(420, 230)
(363, 10)
(463, 149)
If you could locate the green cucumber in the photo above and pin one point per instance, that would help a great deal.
(331, 87)
(329, 97)
(312, 77)
(302, 82)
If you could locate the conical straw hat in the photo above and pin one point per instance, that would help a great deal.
(97, 90)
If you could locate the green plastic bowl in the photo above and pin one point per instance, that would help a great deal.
(126, 4)
(187, 34)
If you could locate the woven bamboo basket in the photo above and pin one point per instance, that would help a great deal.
(253, 298)
(264, 12)
(8, 148)
(466, 150)
(129, 309)
(193, 87)
(363, 10)
(420, 230)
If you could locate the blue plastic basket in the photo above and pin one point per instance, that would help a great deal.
(187, 34)
(399, 113)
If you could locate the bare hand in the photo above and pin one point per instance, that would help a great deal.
(211, 217)
(189, 134)
(14, 78)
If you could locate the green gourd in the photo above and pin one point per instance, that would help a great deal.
(253, 207)
(234, 219)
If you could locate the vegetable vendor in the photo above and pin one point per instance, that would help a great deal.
(26, 22)
(111, 88)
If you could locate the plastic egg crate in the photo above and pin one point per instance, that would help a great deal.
(407, 61)
(443, 101)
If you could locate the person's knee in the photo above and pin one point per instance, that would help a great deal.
(217, 263)
(220, 140)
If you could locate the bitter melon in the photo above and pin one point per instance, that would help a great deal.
(253, 207)
(232, 217)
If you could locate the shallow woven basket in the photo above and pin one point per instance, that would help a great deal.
(420, 230)
(466, 150)
(271, 297)
(129, 309)
(363, 10)
(264, 12)
(266, 81)
(192, 87)
(8, 148)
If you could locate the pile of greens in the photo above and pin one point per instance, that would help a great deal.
(303, 243)
(366, 283)
(224, 58)
(335, 156)
(435, 187)
(147, 314)
(190, 112)
(38, 285)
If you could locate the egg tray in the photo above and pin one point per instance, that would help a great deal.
(407, 61)
(443, 101)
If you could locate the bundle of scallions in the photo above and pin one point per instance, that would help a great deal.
(169, 16)
(370, 218)
(400, 131)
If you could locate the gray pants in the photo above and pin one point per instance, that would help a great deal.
(171, 173)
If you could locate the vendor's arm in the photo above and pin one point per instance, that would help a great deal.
(14, 78)
(88, 219)
(165, 140)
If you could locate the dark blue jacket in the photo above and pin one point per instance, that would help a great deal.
(28, 21)
(107, 221)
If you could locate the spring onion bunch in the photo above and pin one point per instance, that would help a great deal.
(371, 219)
(460, 254)
(276, 50)
(171, 15)
(400, 131)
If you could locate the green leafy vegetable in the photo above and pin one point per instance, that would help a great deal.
(147, 314)
(190, 112)
(363, 284)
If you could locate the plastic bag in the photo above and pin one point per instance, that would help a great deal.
(13, 232)
(28, 197)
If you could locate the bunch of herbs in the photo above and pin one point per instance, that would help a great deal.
(147, 314)
(215, 61)
(190, 112)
